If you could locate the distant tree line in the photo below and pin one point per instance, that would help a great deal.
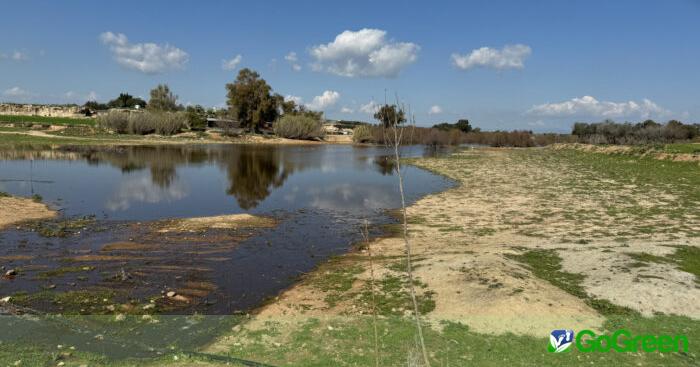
(646, 132)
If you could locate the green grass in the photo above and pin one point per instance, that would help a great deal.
(63, 271)
(688, 260)
(61, 228)
(46, 120)
(546, 264)
(350, 342)
(685, 148)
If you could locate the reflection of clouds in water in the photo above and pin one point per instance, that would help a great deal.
(292, 195)
(142, 189)
(350, 197)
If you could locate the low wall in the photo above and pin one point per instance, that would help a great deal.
(40, 110)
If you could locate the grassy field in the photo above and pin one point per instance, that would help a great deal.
(46, 120)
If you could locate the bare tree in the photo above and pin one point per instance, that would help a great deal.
(393, 138)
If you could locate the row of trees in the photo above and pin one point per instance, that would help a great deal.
(646, 132)
(250, 100)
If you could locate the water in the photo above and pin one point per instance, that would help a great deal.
(320, 195)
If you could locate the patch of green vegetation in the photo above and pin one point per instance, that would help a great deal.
(81, 302)
(688, 260)
(61, 228)
(336, 279)
(683, 148)
(484, 231)
(391, 296)
(644, 257)
(546, 264)
(350, 342)
(37, 198)
(450, 229)
(4, 194)
(63, 271)
(47, 120)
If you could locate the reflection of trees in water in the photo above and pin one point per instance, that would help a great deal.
(385, 165)
(253, 172)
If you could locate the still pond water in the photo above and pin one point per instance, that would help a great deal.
(320, 196)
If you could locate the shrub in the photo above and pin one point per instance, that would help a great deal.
(294, 126)
(116, 121)
(142, 123)
(362, 134)
(170, 123)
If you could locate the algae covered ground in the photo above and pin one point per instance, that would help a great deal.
(530, 240)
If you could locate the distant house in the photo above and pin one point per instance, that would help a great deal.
(333, 128)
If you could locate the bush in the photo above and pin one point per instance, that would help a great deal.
(647, 132)
(362, 134)
(169, 123)
(293, 126)
(142, 123)
(116, 121)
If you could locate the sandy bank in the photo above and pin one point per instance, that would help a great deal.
(15, 210)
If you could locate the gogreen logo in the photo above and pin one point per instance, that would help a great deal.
(622, 341)
(560, 340)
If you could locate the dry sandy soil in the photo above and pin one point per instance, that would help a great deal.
(15, 210)
(509, 202)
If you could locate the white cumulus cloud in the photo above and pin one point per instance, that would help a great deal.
(435, 110)
(364, 53)
(231, 64)
(590, 106)
(346, 109)
(328, 99)
(296, 99)
(293, 61)
(509, 57)
(371, 107)
(149, 58)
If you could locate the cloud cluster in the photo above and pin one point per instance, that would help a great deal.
(328, 99)
(231, 64)
(149, 58)
(509, 57)
(293, 60)
(15, 56)
(364, 53)
(590, 106)
(371, 107)
(435, 110)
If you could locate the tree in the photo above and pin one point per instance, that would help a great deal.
(250, 100)
(463, 125)
(196, 117)
(95, 106)
(126, 100)
(291, 108)
(162, 99)
(389, 115)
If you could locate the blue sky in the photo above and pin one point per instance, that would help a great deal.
(537, 65)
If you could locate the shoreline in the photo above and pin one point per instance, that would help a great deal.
(500, 256)
(38, 137)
